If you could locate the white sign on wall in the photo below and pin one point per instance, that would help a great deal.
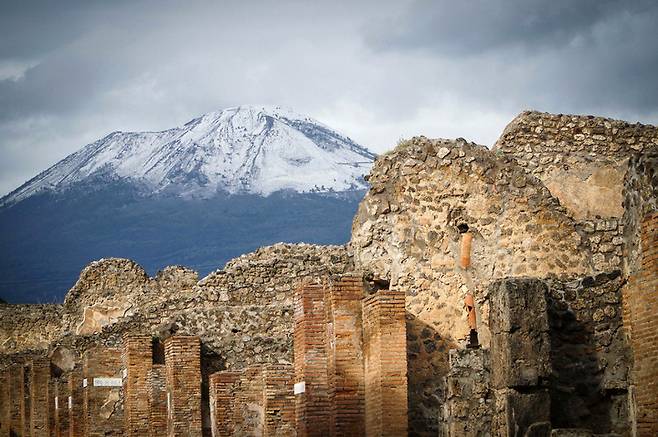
(84, 382)
(70, 402)
(108, 382)
(299, 388)
(56, 403)
(125, 373)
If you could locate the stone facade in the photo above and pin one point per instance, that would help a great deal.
(526, 274)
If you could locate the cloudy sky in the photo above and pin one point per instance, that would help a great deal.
(73, 71)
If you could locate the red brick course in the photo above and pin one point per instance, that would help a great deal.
(385, 356)
(17, 400)
(183, 373)
(39, 397)
(312, 403)
(4, 403)
(157, 397)
(75, 403)
(279, 400)
(137, 362)
(60, 408)
(103, 415)
(641, 301)
(345, 356)
(221, 402)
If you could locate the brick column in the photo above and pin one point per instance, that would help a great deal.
(345, 356)
(248, 409)
(61, 408)
(385, 357)
(279, 402)
(520, 355)
(4, 403)
(221, 400)
(312, 403)
(137, 362)
(157, 397)
(17, 400)
(27, 402)
(75, 403)
(183, 372)
(641, 297)
(39, 397)
(102, 389)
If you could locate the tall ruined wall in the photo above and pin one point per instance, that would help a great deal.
(424, 197)
(29, 326)
(242, 313)
(582, 160)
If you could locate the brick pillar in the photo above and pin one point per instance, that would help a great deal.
(27, 402)
(520, 355)
(39, 397)
(102, 389)
(75, 403)
(312, 403)
(221, 399)
(157, 397)
(17, 400)
(279, 402)
(137, 361)
(183, 372)
(4, 403)
(345, 356)
(641, 296)
(248, 412)
(61, 408)
(385, 358)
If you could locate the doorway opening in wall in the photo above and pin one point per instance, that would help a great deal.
(158, 351)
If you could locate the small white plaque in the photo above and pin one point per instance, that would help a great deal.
(125, 373)
(70, 402)
(108, 382)
(299, 388)
(56, 403)
(84, 382)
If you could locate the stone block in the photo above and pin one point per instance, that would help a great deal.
(522, 414)
(520, 344)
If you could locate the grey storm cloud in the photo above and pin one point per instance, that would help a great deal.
(73, 71)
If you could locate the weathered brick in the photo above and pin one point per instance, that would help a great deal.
(312, 403)
(221, 400)
(75, 403)
(102, 392)
(183, 375)
(384, 339)
(137, 362)
(279, 400)
(157, 397)
(39, 397)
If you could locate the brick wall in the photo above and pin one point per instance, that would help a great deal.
(103, 411)
(17, 400)
(183, 374)
(279, 400)
(345, 356)
(157, 397)
(385, 357)
(75, 403)
(137, 362)
(248, 410)
(312, 403)
(4, 402)
(60, 408)
(641, 298)
(39, 396)
(221, 401)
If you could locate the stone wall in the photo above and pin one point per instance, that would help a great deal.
(183, 376)
(102, 392)
(581, 159)
(424, 196)
(24, 327)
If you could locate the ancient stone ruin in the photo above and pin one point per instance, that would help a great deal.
(485, 292)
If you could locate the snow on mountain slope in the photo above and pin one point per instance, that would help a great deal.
(246, 149)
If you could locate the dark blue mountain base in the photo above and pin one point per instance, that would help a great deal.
(47, 239)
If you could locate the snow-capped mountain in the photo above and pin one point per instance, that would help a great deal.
(241, 150)
(198, 195)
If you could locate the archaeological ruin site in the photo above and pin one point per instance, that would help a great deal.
(510, 291)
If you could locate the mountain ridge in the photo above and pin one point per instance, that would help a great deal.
(244, 149)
